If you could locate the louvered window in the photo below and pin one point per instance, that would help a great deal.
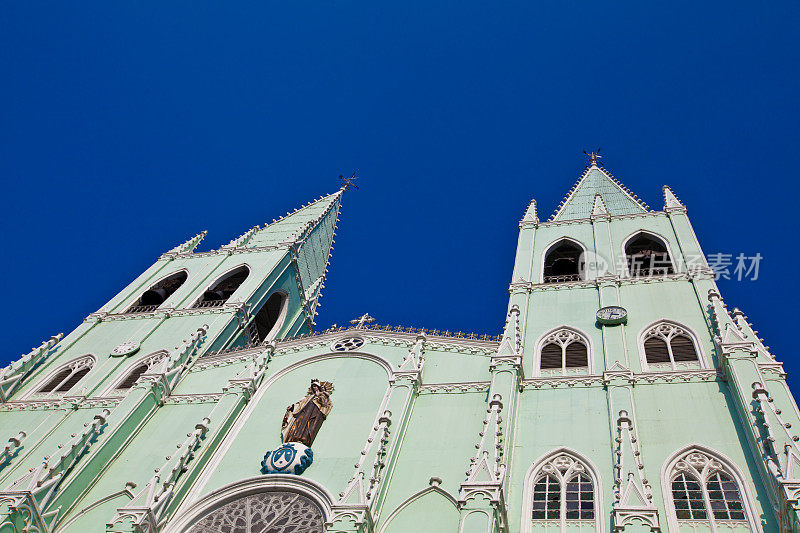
(656, 350)
(131, 378)
(576, 355)
(564, 351)
(69, 376)
(551, 356)
(669, 346)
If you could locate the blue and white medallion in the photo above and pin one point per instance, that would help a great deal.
(290, 458)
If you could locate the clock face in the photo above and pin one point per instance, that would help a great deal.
(612, 315)
(126, 348)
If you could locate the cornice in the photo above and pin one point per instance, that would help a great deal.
(529, 286)
(167, 312)
(192, 398)
(643, 378)
(588, 220)
(468, 386)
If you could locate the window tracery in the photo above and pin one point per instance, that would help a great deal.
(563, 494)
(668, 346)
(564, 352)
(266, 512)
(68, 376)
(141, 367)
(705, 492)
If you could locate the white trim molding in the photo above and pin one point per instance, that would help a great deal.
(304, 486)
(563, 463)
(700, 462)
(152, 360)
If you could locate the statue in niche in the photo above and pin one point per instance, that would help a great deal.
(303, 419)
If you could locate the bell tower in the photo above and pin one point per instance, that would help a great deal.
(130, 356)
(617, 305)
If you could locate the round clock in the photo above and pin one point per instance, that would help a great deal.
(612, 315)
(126, 348)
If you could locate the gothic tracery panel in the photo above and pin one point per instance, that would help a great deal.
(705, 492)
(563, 495)
(668, 346)
(266, 512)
(564, 352)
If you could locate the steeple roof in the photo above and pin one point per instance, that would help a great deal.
(595, 180)
(294, 226)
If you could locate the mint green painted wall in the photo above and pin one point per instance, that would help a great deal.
(342, 436)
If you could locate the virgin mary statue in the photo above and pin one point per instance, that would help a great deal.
(303, 419)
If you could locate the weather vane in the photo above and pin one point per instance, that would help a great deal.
(593, 156)
(348, 183)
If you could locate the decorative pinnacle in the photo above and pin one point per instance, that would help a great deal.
(349, 183)
(593, 157)
(363, 319)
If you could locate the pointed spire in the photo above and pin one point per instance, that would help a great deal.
(599, 208)
(187, 246)
(671, 201)
(240, 241)
(579, 201)
(295, 226)
(511, 343)
(531, 214)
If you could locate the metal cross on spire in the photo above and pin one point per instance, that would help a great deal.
(593, 156)
(363, 319)
(349, 183)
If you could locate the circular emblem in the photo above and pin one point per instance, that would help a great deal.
(612, 315)
(282, 457)
(126, 348)
(348, 344)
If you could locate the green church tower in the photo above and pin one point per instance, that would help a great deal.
(622, 396)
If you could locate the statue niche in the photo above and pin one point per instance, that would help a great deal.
(303, 419)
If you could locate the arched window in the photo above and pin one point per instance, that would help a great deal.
(562, 262)
(704, 491)
(158, 293)
(266, 319)
(564, 352)
(266, 512)
(563, 495)
(668, 346)
(141, 367)
(647, 255)
(68, 376)
(223, 288)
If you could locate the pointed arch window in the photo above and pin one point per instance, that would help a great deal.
(64, 379)
(564, 352)
(267, 319)
(647, 255)
(273, 512)
(223, 288)
(563, 494)
(141, 367)
(668, 346)
(157, 294)
(705, 491)
(563, 262)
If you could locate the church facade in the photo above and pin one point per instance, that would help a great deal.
(622, 395)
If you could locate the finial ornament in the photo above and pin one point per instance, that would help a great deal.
(363, 319)
(593, 156)
(349, 183)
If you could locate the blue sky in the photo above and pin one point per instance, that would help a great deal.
(128, 127)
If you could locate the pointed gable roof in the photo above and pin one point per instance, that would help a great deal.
(595, 180)
(294, 226)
